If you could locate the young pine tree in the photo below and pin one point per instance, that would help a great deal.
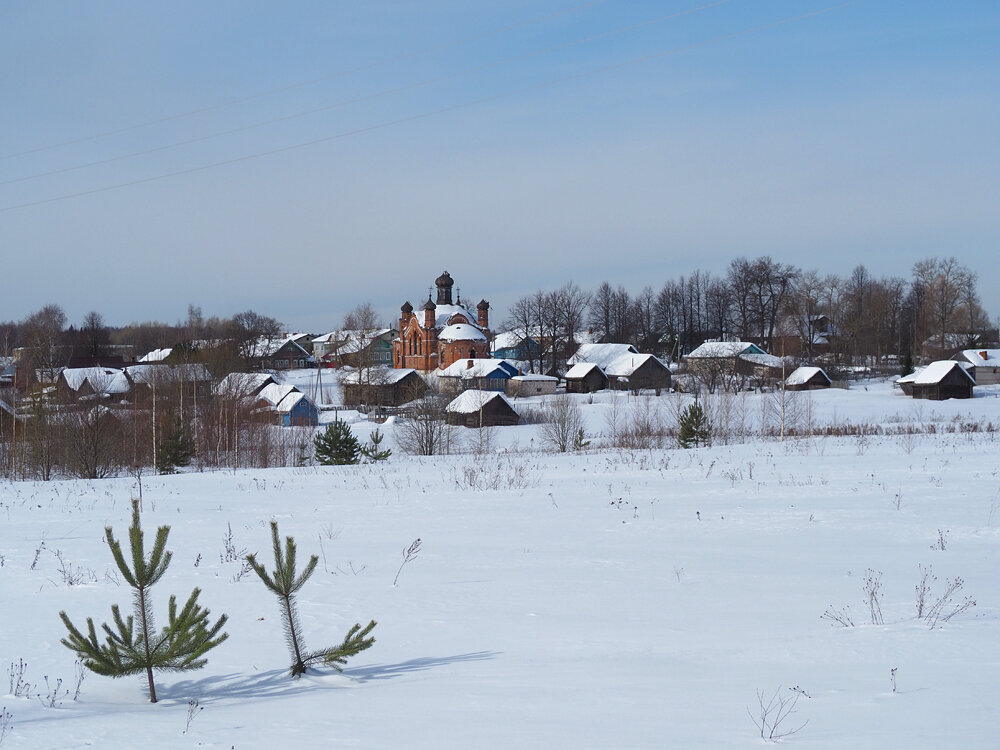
(693, 427)
(373, 450)
(135, 647)
(285, 583)
(177, 448)
(337, 445)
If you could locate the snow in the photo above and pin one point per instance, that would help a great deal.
(101, 379)
(975, 356)
(724, 349)
(444, 313)
(579, 370)
(606, 599)
(157, 355)
(601, 354)
(625, 365)
(480, 368)
(273, 393)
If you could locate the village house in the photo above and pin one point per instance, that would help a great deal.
(383, 386)
(479, 374)
(443, 333)
(585, 377)
(943, 380)
(985, 364)
(807, 379)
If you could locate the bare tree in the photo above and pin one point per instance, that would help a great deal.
(42, 336)
(94, 333)
(424, 430)
(563, 425)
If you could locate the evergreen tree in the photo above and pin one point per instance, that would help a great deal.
(693, 427)
(337, 445)
(176, 449)
(907, 364)
(285, 584)
(372, 450)
(134, 648)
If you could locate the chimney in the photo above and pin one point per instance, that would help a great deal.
(469, 365)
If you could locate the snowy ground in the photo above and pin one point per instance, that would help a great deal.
(603, 600)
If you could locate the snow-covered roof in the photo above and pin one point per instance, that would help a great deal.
(601, 354)
(444, 312)
(290, 401)
(157, 355)
(909, 378)
(267, 347)
(378, 375)
(803, 375)
(765, 360)
(580, 370)
(508, 340)
(936, 371)
(273, 393)
(242, 383)
(471, 401)
(461, 332)
(533, 377)
(725, 349)
(479, 368)
(626, 364)
(102, 379)
(975, 356)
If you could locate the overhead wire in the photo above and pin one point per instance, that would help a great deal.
(311, 82)
(375, 95)
(443, 110)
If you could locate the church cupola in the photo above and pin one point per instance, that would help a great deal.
(430, 317)
(444, 284)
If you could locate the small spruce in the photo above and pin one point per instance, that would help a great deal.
(693, 427)
(285, 583)
(336, 445)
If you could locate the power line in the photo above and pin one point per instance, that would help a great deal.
(433, 113)
(376, 95)
(311, 82)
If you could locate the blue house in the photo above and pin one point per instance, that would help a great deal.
(514, 346)
(296, 410)
(481, 374)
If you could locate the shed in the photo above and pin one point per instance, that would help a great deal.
(807, 379)
(943, 380)
(532, 385)
(585, 377)
(475, 408)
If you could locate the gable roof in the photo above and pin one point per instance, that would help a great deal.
(804, 374)
(601, 354)
(992, 358)
(581, 369)
(242, 384)
(625, 365)
(471, 401)
(480, 368)
(101, 379)
(273, 393)
(935, 372)
(379, 375)
(724, 349)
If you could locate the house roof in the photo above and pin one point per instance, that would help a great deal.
(157, 355)
(532, 377)
(601, 354)
(267, 347)
(509, 340)
(461, 332)
(935, 372)
(992, 358)
(765, 360)
(273, 393)
(242, 383)
(804, 374)
(580, 370)
(626, 364)
(290, 401)
(379, 375)
(480, 368)
(471, 401)
(724, 349)
(102, 379)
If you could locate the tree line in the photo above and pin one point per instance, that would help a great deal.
(858, 319)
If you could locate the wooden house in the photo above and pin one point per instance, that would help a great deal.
(585, 377)
(280, 354)
(943, 380)
(635, 372)
(383, 386)
(515, 346)
(478, 374)
(532, 385)
(481, 409)
(807, 379)
(985, 364)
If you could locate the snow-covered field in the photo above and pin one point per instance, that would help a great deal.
(608, 599)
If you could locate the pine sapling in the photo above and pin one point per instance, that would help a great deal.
(373, 450)
(134, 646)
(285, 584)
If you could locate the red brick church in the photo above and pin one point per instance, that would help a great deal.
(444, 333)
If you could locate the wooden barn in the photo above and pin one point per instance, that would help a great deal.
(383, 387)
(481, 409)
(585, 377)
(807, 379)
(943, 380)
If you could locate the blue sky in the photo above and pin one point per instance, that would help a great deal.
(506, 152)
